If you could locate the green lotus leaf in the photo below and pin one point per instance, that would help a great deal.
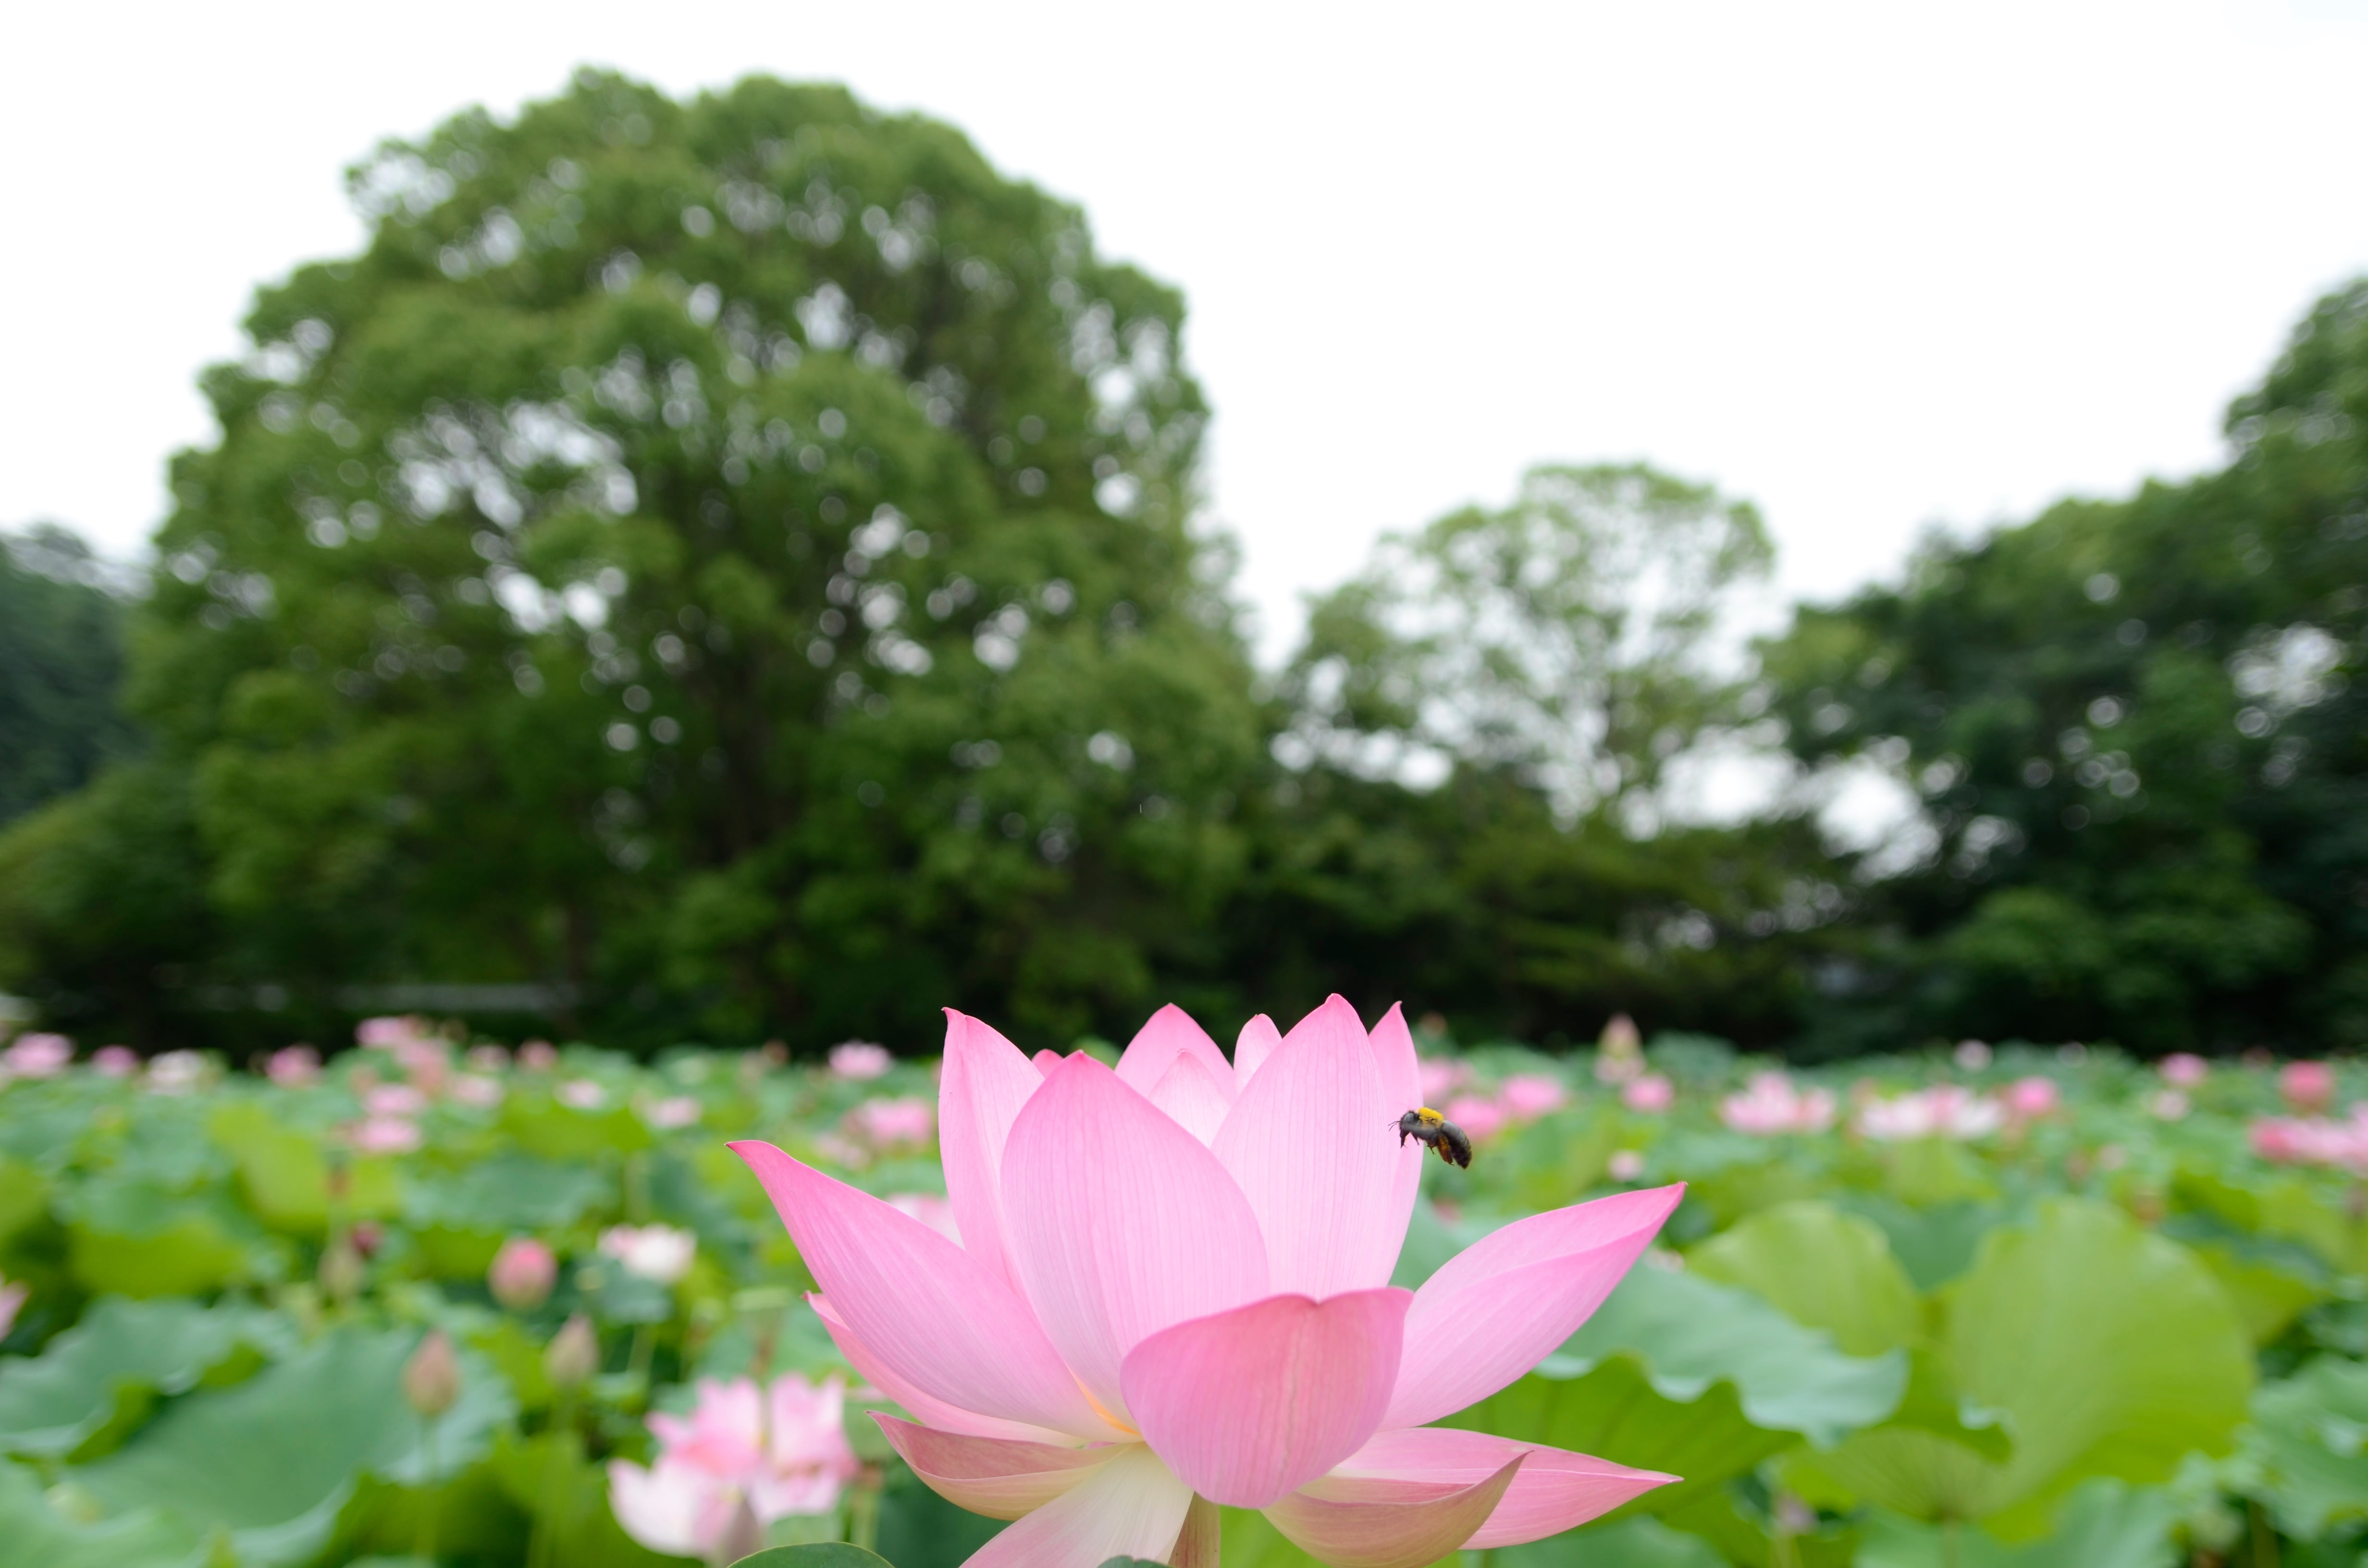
(104, 1370)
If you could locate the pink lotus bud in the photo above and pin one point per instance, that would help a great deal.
(341, 1269)
(431, 1379)
(115, 1061)
(860, 1060)
(574, 1356)
(1619, 1037)
(538, 1056)
(523, 1274)
(2030, 1099)
(2307, 1086)
(2184, 1070)
(293, 1066)
(1651, 1093)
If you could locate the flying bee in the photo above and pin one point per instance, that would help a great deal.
(1427, 1126)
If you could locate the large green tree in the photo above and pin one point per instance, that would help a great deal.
(726, 563)
(2139, 743)
(60, 663)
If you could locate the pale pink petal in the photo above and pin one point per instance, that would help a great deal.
(1248, 1405)
(1047, 1062)
(1172, 1033)
(1312, 1144)
(1259, 1039)
(928, 1310)
(665, 1508)
(1416, 1525)
(1122, 1223)
(1499, 1306)
(1190, 1097)
(1554, 1490)
(931, 1410)
(1401, 1071)
(981, 1089)
(1001, 1480)
(1130, 1507)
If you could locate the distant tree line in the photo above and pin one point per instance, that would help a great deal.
(726, 569)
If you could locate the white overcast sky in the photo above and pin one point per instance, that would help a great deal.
(1875, 266)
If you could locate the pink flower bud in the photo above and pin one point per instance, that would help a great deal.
(523, 1274)
(2307, 1086)
(1651, 1093)
(573, 1354)
(431, 1379)
(860, 1060)
(2184, 1070)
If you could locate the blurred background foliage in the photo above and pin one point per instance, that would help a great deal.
(732, 568)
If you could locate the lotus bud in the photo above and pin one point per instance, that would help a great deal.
(523, 1274)
(573, 1354)
(431, 1379)
(341, 1269)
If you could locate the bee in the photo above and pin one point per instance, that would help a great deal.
(1427, 1126)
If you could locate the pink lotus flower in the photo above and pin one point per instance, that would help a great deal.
(538, 1056)
(2028, 1099)
(580, 1094)
(1944, 1111)
(674, 1111)
(385, 1034)
(1442, 1078)
(860, 1060)
(886, 1123)
(1770, 1104)
(293, 1066)
(1651, 1093)
(658, 1252)
(394, 1099)
(385, 1135)
(2168, 1105)
(115, 1062)
(1620, 1052)
(1529, 1096)
(1625, 1165)
(37, 1056)
(1172, 1292)
(523, 1273)
(1972, 1055)
(2314, 1140)
(12, 1301)
(2307, 1086)
(2184, 1070)
(1481, 1118)
(176, 1072)
(476, 1089)
(781, 1451)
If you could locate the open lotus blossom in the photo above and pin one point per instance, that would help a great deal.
(658, 1252)
(860, 1060)
(1944, 1111)
(2315, 1140)
(1172, 1293)
(781, 1451)
(1770, 1104)
(37, 1056)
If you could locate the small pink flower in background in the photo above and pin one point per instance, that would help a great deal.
(388, 1032)
(1972, 1055)
(860, 1060)
(1626, 1165)
(394, 1099)
(2184, 1070)
(674, 1111)
(476, 1089)
(658, 1252)
(37, 1056)
(489, 1058)
(581, 1094)
(1651, 1094)
(12, 1301)
(293, 1066)
(891, 1122)
(1620, 1051)
(2315, 1140)
(1944, 1111)
(930, 1210)
(176, 1072)
(1480, 1118)
(1441, 1076)
(523, 1274)
(115, 1061)
(2309, 1086)
(781, 1451)
(538, 1055)
(842, 1151)
(1172, 1293)
(2028, 1099)
(2168, 1105)
(1527, 1095)
(1770, 1104)
(385, 1135)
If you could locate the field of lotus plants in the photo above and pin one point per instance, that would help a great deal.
(436, 1301)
